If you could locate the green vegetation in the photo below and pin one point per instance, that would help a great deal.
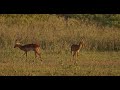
(101, 19)
(100, 32)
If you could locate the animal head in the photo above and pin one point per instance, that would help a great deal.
(17, 45)
(82, 43)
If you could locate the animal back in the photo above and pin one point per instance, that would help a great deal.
(29, 47)
(75, 47)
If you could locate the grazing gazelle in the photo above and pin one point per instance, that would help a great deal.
(29, 47)
(76, 48)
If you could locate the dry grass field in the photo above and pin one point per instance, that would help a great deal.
(100, 57)
(87, 64)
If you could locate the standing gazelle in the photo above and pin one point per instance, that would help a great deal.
(76, 48)
(29, 47)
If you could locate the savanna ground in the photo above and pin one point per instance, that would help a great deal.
(100, 57)
(88, 64)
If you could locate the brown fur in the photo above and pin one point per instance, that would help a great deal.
(76, 48)
(29, 47)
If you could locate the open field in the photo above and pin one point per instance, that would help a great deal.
(88, 64)
(100, 56)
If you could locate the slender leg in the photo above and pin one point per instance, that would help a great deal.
(71, 52)
(39, 55)
(77, 54)
(74, 54)
(37, 51)
(26, 54)
(35, 55)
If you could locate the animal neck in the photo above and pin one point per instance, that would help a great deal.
(19, 46)
(80, 45)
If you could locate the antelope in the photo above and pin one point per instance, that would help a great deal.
(76, 48)
(29, 47)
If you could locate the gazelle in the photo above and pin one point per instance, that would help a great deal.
(76, 48)
(29, 47)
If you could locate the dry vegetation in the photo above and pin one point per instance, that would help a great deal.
(99, 57)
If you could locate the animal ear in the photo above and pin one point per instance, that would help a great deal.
(16, 41)
(82, 40)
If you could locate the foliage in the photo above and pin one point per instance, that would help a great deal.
(51, 32)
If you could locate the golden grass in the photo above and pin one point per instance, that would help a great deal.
(55, 39)
(52, 33)
(87, 64)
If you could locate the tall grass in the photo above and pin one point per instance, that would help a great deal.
(53, 35)
(55, 39)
